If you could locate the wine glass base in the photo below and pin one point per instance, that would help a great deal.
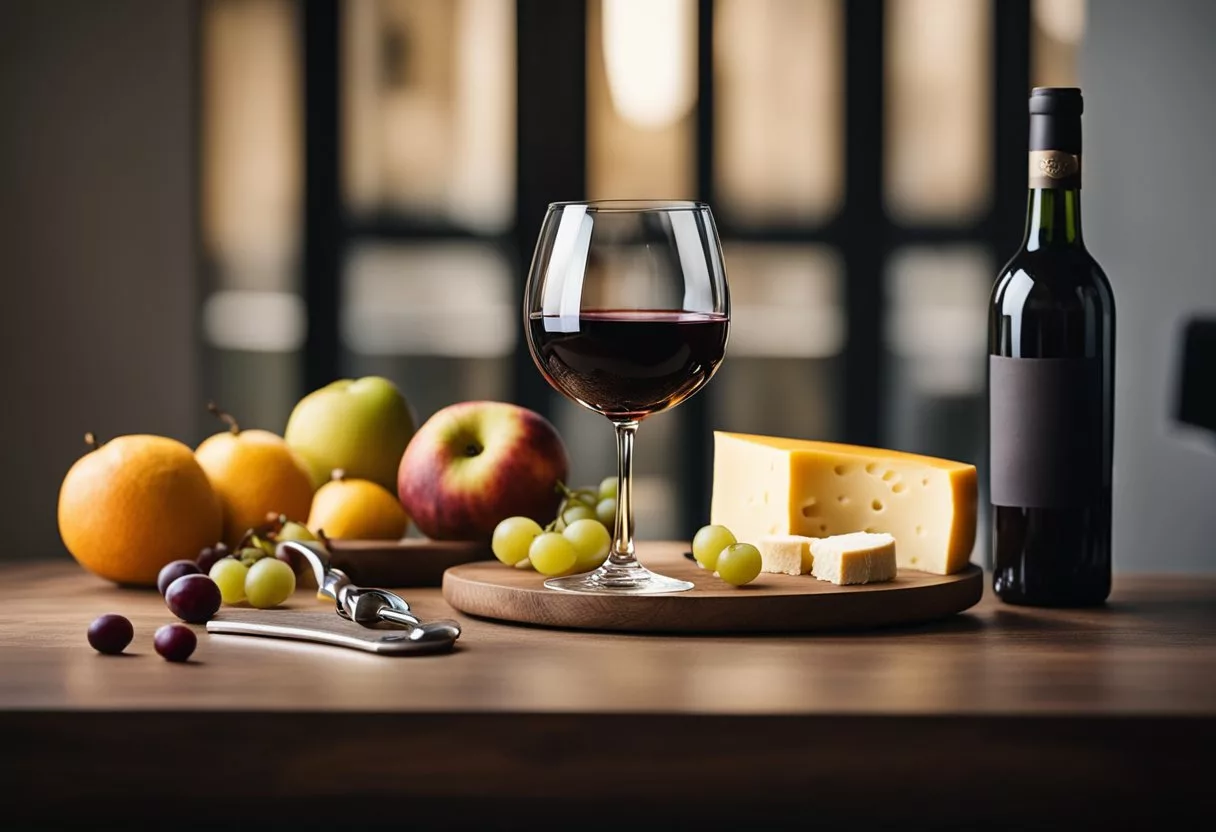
(619, 579)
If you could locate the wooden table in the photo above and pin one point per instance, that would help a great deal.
(1000, 717)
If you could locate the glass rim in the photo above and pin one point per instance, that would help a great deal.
(635, 206)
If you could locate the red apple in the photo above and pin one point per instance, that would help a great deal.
(473, 464)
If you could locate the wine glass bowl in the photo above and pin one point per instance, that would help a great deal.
(627, 312)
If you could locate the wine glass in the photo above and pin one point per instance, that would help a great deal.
(627, 313)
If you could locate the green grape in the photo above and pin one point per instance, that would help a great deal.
(588, 565)
(524, 564)
(269, 583)
(587, 495)
(576, 511)
(591, 543)
(739, 564)
(608, 488)
(605, 511)
(266, 545)
(709, 543)
(552, 554)
(251, 555)
(229, 575)
(512, 537)
(295, 531)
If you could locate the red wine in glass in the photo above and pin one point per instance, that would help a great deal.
(626, 311)
(629, 363)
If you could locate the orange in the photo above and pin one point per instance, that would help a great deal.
(255, 473)
(136, 503)
(357, 509)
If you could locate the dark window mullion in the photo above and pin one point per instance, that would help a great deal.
(321, 250)
(864, 241)
(696, 438)
(1010, 122)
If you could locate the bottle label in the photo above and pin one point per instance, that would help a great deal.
(1054, 169)
(1045, 427)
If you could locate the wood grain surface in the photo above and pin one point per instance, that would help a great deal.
(403, 563)
(771, 603)
(1000, 717)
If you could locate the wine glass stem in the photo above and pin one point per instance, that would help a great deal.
(622, 537)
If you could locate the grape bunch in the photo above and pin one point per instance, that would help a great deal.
(577, 540)
(252, 571)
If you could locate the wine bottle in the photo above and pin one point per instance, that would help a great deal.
(1051, 368)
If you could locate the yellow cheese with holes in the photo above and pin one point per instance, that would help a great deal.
(765, 485)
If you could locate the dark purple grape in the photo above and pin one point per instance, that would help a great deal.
(193, 598)
(110, 634)
(175, 642)
(172, 571)
(207, 558)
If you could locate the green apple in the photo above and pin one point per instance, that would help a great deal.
(360, 426)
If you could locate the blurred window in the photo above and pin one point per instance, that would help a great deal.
(429, 110)
(778, 114)
(440, 319)
(641, 93)
(787, 334)
(785, 302)
(936, 334)
(939, 87)
(253, 317)
(1057, 27)
(452, 299)
(251, 148)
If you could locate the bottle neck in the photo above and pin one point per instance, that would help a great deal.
(1053, 219)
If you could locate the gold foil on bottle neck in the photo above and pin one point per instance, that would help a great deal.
(1054, 169)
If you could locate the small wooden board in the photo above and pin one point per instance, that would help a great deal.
(403, 563)
(772, 603)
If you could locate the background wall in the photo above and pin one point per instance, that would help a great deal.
(96, 230)
(1148, 71)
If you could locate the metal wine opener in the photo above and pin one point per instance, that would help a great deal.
(370, 607)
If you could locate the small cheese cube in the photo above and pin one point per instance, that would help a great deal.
(785, 554)
(857, 558)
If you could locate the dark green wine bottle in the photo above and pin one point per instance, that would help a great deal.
(1051, 369)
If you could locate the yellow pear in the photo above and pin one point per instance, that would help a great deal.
(357, 509)
(255, 473)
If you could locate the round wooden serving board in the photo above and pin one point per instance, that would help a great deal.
(771, 603)
(403, 563)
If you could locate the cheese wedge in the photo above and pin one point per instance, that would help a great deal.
(766, 485)
(785, 554)
(857, 558)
